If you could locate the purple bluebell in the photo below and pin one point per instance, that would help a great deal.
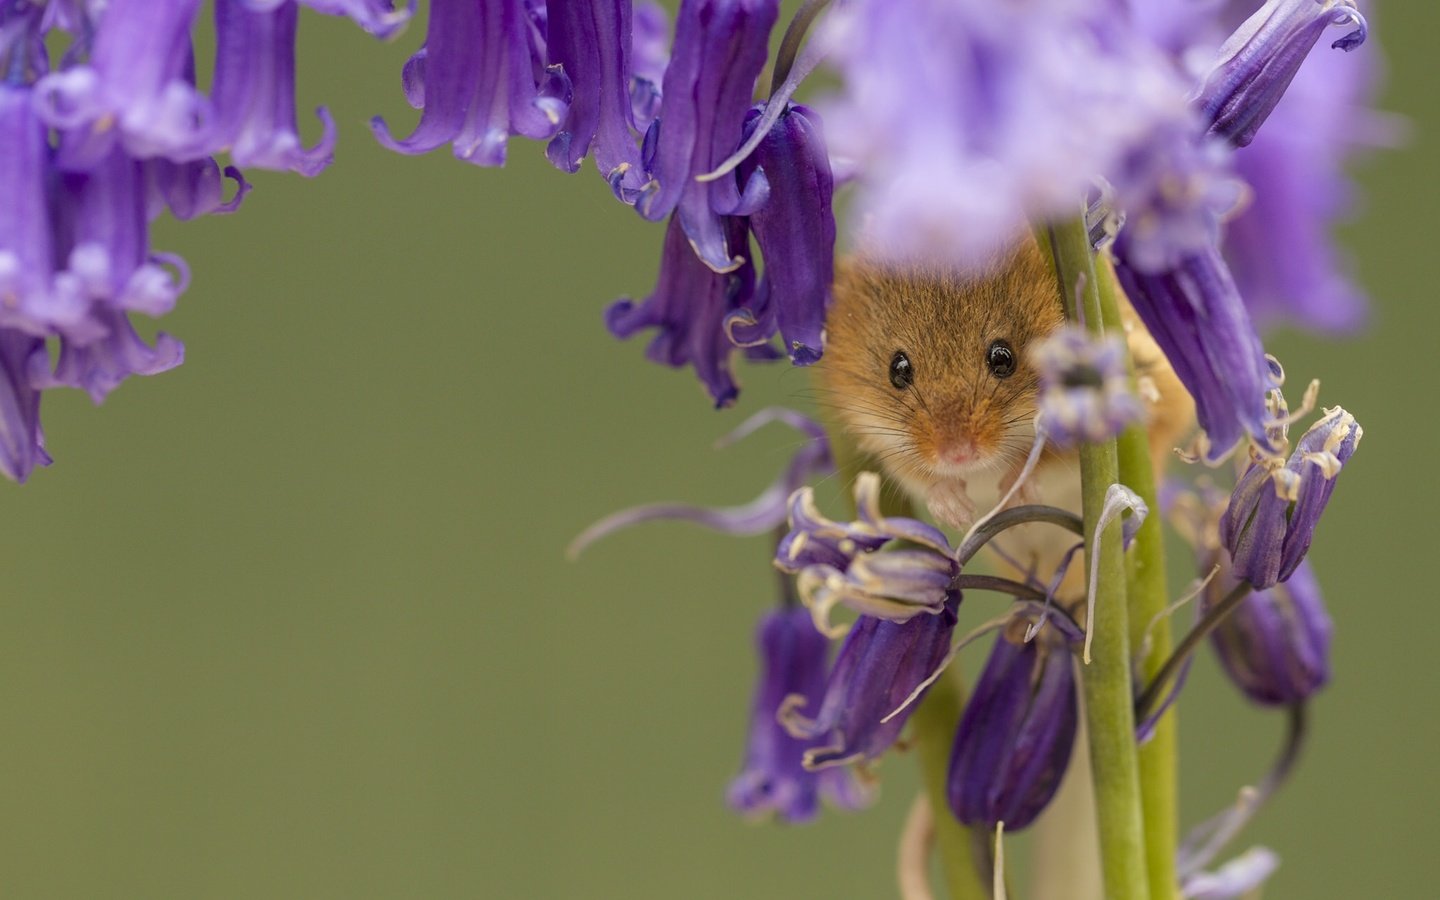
(478, 79)
(254, 90)
(1256, 64)
(1280, 246)
(720, 48)
(878, 667)
(192, 189)
(1273, 511)
(1084, 387)
(795, 230)
(382, 18)
(1240, 877)
(22, 447)
(967, 118)
(136, 91)
(1275, 645)
(794, 658)
(1017, 732)
(591, 44)
(649, 57)
(1196, 316)
(842, 563)
(688, 309)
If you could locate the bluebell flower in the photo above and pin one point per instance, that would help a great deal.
(22, 446)
(137, 91)
(477, 81)
(254, 90)
(1197, 318)
(1273, 511)
(688, 309)
(1238, 878)
(1256, 64)
(1275, 646)
(591, 43)
(794, 658)
(720, 48)
(649, 57)
(194, 188)
(879, 666)
(966, 118)
(795, 229)
(842, 563)
(1017, 732)
(382, 18)
(1084, 387)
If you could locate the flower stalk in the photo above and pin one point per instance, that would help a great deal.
(1106, 682)
(1145, 590)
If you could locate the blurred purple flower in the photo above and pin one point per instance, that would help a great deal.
(382, 18)
(795, 229)
(1017, 732)
(773, 779)
(877, 669)
(1273, 511)
(254, 90)
(688, 308)
(1276, 645)
(967, 117)
(192, 189)
(720, 48)
(649, 57)
(137, 89)
(22, 447)
(478, 79)
(1085, 387)
(1256, 64)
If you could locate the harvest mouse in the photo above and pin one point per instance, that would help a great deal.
(929, 371)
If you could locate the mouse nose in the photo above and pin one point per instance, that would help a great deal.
(958, 451)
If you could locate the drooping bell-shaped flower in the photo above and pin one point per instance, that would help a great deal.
(1017, 732)
(1273, 511)
(1275, 645)
(591, 42)
(1256, 64)
(795, 229)
(1196, 316)
(382, 18)
(1084, 387)
(794, 658)
(192, 189)
(649, 57)
(254, 90)
(720, 48)
(842, 563)
(22, 447)
(477, 81)
(868, 692)
(688, 309)
(135, 90)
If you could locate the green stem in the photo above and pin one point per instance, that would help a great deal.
(1146, 591)
(932, 731)
(1109, 698)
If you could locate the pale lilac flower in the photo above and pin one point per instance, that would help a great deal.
(22, 447)
(254, 91)
(794, 658)
(382, 18)
(1084, 387)
(649, 57)
(966, 118)
(1017, 732)
(720, 48)
(478, 79)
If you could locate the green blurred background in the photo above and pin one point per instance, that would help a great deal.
(294, 620)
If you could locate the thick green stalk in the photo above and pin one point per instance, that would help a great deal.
(1146, 591)
(936, 717)
(1109, 697)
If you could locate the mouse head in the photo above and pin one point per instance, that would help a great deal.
(929, 369)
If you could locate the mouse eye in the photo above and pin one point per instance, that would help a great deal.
(902, 374)
(1001, 359)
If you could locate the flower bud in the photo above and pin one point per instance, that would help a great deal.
(1276, 645)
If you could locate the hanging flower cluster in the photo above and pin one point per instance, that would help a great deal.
(100, 140)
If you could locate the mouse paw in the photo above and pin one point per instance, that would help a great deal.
(950, 504)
